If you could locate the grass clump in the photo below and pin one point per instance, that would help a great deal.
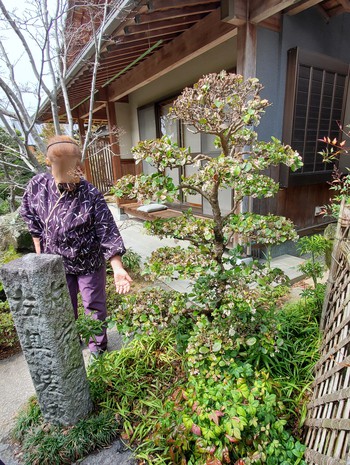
(292, 365)
(134, 382)
(46, 444)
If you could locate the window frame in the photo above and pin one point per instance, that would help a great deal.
(298, 57)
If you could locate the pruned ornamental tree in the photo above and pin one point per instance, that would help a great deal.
(229, 108)
(225, 406)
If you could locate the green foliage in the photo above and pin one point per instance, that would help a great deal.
(224, 407)
(132, 261)
(258, 229)
(88, 326)
(134, 381)
(148, 311)
(8, 334)
(155, 187)
(314, 267)
(9, 255)
(225, 420)
(13, 172)
(293, 361)
(46, 444)
(4, 206)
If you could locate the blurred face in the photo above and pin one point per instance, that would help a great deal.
(64, 155)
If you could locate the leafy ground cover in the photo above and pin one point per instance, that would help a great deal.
(175, 406)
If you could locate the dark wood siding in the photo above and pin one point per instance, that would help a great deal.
(298, 203)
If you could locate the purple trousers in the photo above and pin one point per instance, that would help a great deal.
(92, 288)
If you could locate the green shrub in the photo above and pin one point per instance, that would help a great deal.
(223, 420)
(45, 444)
(4, 207)
(292, 364)
(8, 334)
(132, 261)
(213, 402)
(88, 327)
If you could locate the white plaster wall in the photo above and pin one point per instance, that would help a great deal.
(221, 57)
(124, 123)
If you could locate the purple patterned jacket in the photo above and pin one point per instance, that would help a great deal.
(77, 225)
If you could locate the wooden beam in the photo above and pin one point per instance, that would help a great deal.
(162, 25)
(274, 23)
(259, 11)
(165, 4)
(304, 5)
(84, 111)
(121, 45)
(145, 36)
(323, 13)
(234, 11)
(346, 5)
(174, 13)
(203, 36)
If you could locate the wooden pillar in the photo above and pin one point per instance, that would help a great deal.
(86, 162)
(246, 50)
(81, 130)
(112, 124)
(246, 66)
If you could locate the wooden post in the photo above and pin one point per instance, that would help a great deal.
(112, 124)
(246, 66)
(246, 50)
(87, 170)
(81, 130)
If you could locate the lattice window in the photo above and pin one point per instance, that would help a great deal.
(316, 93)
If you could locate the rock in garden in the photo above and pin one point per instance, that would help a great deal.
(14, 232)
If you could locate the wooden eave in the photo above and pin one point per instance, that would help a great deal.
(159, 35)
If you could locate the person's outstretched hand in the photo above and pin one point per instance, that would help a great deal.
(122, 281)
(121, 278)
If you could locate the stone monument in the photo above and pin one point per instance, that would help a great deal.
(39, 300)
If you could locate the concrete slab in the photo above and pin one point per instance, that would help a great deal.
(136, 237)
(116, 454)
(289, 265)
(16, 387)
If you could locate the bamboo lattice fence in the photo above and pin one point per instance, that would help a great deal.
(99, 166)
(328, 424)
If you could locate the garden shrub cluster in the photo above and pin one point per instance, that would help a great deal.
(230, 404)
(8, 334)
(218, 374)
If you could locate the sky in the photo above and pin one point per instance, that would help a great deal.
(14, 49)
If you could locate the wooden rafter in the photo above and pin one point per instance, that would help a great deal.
(259, 11)
(304, 5)
(175, 13)
(234, 12)
(142, 36)
(162, 25)
(165, 4)
(206, 34)
(346, 5)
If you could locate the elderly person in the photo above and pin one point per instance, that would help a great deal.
(69, 217)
